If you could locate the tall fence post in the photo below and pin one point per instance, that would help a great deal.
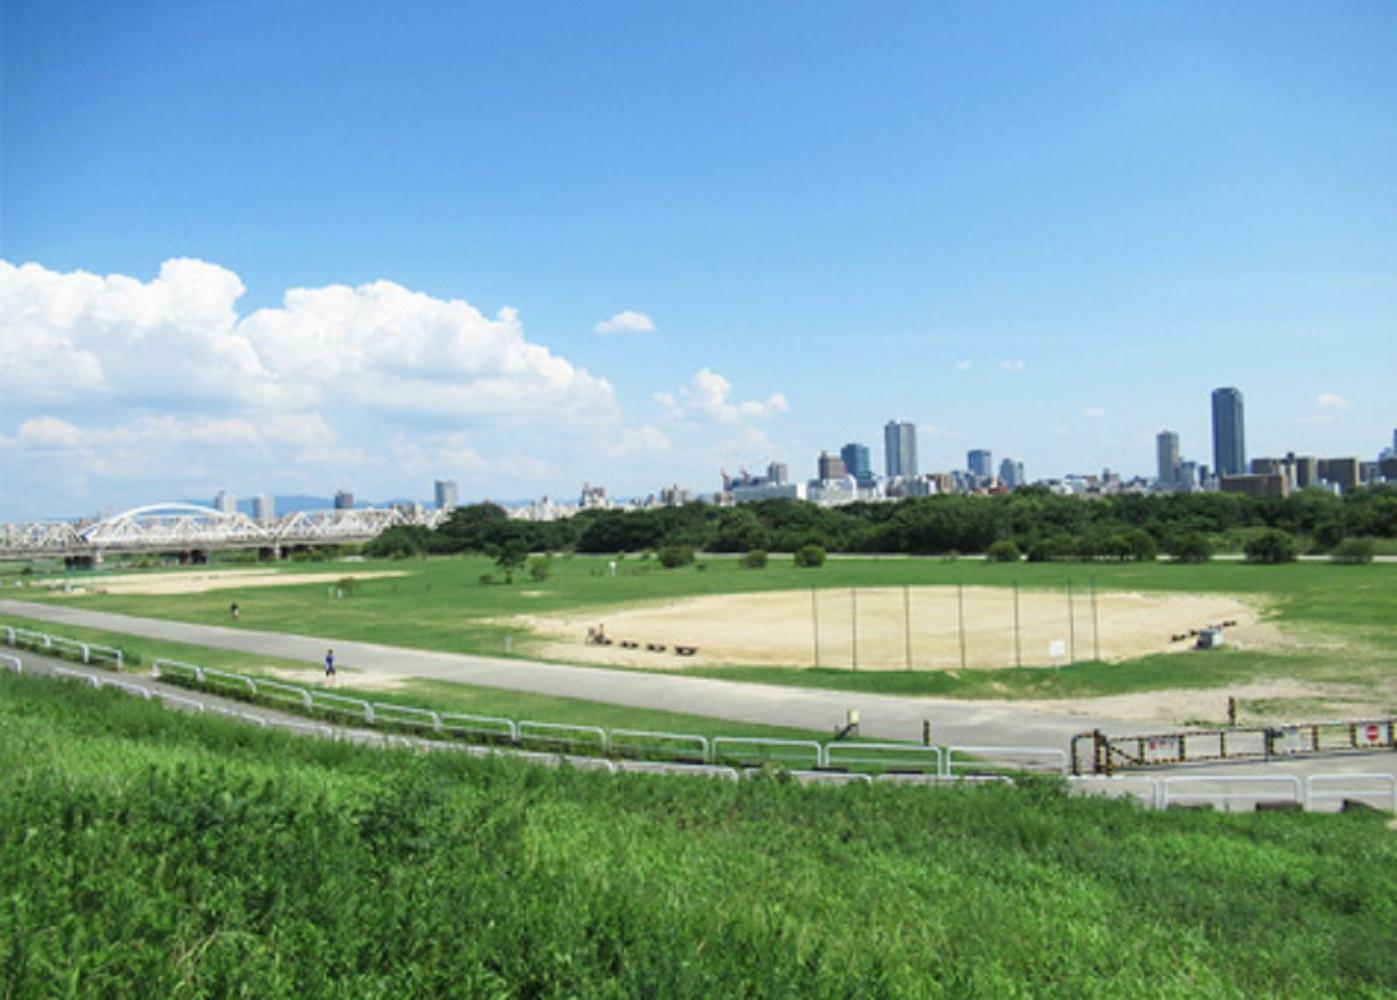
(907, 625)
(1018, 648)
(1071, 627)
(960, 611)
(1095, 625)
(854, 628)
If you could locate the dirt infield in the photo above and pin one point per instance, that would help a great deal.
(202, 581)
(892, 628)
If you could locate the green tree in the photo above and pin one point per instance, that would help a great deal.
(674, 556)
(510, 556)
(1271, 546)
(1354, 551)
(541, 568)
(1191, 547)
(755, 559)
(810, 556)
(1004, 550)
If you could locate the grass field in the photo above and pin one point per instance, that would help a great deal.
(444, 696)
(148, 852)
(1336, 619)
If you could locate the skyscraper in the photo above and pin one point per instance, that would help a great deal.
(225, 503)
(1167, 449)
(1229, 437)
(447, 496)
(344, 500)
(1011, 473)
(857, 461)
(900, 449)
(264, 509)
(831, 467)
(980, 463)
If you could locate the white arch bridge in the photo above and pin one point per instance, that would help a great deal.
(193, 531)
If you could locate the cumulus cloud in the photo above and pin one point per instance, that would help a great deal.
(637, 441)
(708, 396)
(1332, 401)
(626, 321)
(964, 365)
(1093, 412)
(1014, 365)
(77, 339)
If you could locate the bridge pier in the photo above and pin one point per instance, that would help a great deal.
(89, 561)
(269, 554)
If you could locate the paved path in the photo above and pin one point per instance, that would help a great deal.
(883, 716)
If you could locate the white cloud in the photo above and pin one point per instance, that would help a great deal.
(707, 396)
(79, 340)
(964, 365)
(1015, 365)
(1093, 412)
(1332, 401)
(637, 441)
(626, 321)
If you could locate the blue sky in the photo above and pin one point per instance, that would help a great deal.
(1045, 229)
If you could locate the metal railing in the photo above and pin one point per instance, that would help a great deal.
(754, 751)
(886, 757)
(1388, 789)
(647, 744)
(561, 735)
(995, 759)
(1168, 795)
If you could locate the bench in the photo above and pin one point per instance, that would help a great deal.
(685, 650)
(655, 647)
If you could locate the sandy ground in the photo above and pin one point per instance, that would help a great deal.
(1288, 700)
(780, 628)
(202, 581)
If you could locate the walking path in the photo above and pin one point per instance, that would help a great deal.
(882, 716)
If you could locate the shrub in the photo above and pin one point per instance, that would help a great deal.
(672, 556)
(1354, 551)
(1052, 548)
(756, 559)
(540, 568)
(1141, 545)
(810, 556)
(1004, 550)
(1193, 547)
(347, 586)
(1271, 546)
(487, 579)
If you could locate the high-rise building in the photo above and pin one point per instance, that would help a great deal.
(1342, 472)
(1011, 473)
(857, 462)
(447, 497)
(900, 449)
(1167, 451)
(344, 500)
(831, 467)
(263, 509)
(777, 474)
(1306, 470)
(980, 463)
(225, 503)
(1229, 435)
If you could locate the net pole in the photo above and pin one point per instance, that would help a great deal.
(907, 625)
(1071, 627)
(815, 623)
(1095, 625)
(854, 629)
(960, 608)
(1018, 647)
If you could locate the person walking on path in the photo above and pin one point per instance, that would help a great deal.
(329, 666)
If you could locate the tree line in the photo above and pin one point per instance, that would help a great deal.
(1038, 522)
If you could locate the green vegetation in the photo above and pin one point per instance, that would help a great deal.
(755, 559)
(1354, 551)
(149, 852)
(445, 696)
(1120, 527)
(810, 556)
(1271, 546)
(1004, 550)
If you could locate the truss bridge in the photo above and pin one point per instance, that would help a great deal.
(192, 532)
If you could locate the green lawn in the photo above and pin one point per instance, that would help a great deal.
(1339, 616)
(155, 853)
(444, 696)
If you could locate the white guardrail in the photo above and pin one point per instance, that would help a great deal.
(725, 757)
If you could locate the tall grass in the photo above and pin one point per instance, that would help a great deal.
(143, 852)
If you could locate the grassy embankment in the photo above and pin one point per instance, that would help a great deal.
(444, 696)
(1339, 615)
(150, 852)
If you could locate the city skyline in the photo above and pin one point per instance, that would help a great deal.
(1045, 232)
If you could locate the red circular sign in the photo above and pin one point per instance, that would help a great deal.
(1372, 734)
